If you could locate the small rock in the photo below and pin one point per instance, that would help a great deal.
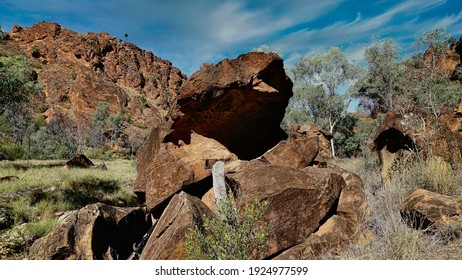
(9, 178)
(79, 161)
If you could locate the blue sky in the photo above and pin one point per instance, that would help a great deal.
(192, 32)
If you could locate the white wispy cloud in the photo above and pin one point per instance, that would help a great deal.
(190, 33)
(400, 19)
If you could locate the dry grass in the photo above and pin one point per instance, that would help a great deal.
(45, 189)
(38, 174)
(392, 238)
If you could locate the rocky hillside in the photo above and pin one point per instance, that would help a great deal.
(78, 71)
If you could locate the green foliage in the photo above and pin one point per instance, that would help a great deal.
(430, 85)
(233, 235)
(101, 114)
(352, 133)
(317, 83)
(99, 153)
(11, 151)
(437, 93)
(53, 141)
(17, 81)
(116, 124)
(346, 144)
(40, 121)
(40, 228)
(88, 189)
(384, 78)
(3, 35)
(295, 114)
(266, 49)
(434, 42)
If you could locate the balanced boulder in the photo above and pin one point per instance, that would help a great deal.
(238, 102)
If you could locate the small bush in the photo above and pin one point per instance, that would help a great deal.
(41, 228)
(237, 235)
(40, 121)
(435, 175)
(12, 151)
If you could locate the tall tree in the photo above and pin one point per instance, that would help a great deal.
(318, 80)
(17, 81)
(384, 78)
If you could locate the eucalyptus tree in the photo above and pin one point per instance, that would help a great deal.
(384, 79)
(319, 86)
(17, 81)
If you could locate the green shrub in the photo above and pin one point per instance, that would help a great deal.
(41, 228)
(3, 35)
(40, 121)
(12, 151)
(233, 235)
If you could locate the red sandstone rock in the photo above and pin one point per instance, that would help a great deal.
(168, 169)
(238, 102)
(91, 232)
(78, 71)
(168, 238)
(424, 208)
(297, 199)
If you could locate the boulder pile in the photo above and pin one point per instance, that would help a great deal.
(230, 112)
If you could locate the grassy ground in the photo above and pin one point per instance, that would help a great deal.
(46, 189)
(392, 238)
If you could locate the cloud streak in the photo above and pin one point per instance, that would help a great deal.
(190, 33)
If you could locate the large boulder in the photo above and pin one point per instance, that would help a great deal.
(424, 208)
(331, 237)
(168, 238)
(298, 200)
(345, 226)
(170, 168)
(298, 152)
(238, 102)
(404, 138)
(97, 231)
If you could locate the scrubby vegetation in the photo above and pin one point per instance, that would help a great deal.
(388, 237)
(324, 86)
(45, 191)
(235, 234)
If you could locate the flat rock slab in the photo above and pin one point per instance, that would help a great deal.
(424, 208)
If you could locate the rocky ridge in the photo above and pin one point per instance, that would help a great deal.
(78, 71)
